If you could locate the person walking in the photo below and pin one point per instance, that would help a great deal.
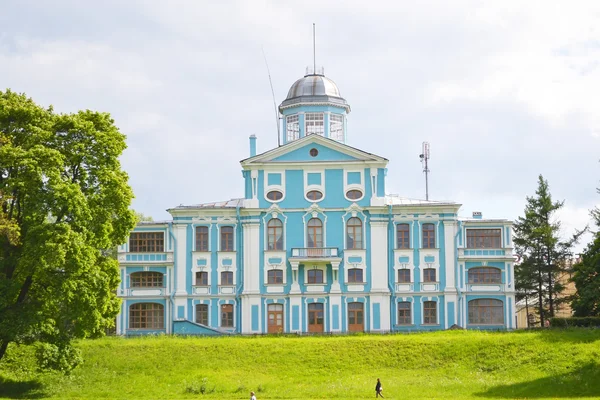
(378, 389)
(252, 396)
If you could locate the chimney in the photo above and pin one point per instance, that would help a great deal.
(477, 215)
(252, 145)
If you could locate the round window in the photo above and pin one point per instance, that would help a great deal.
(314, 195)
(274, 195)
(314, 152)
(354, 194)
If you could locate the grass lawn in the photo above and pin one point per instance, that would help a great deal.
(442, 365)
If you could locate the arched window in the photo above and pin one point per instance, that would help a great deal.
(354, 234)
(201, 238)
(226, 238)
(146, 279)
(428, 236)
(314, 233)
(486, 312)
(275, 234)
(485, 275)
(403, 236)
(146, 316)
(355, 275)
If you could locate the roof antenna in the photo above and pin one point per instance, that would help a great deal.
(314, 51)
(274, 102)
(424, 156)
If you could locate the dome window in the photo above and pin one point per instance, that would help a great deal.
(274, 195)
(315, 123)
(354, 194)
(314, 195)
(292, 127)
(336, 127)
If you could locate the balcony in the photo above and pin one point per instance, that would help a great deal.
(152, 258)
(315, 253)
(505, 254)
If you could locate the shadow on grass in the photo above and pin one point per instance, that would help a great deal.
(21, 390)
(582, 382)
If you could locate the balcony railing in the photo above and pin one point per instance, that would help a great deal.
(315, 252)
(144, 291)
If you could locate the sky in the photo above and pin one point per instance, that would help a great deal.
(502, 90)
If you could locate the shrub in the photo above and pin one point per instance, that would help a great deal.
(580, 322)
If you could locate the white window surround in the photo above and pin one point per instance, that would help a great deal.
(436, 224)
(411, 238)
(354, 186)
(319, 188)
(274, 212)
(207, 223)
(311, 267)
(409, 300)
(314, 211)
(269, 188)
(197, 302)
(226, 222)
(437, 310)
(266, 275)
(222, 303)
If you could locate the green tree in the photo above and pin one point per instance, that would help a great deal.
(64, 201)
(586, 275)
(542, 252)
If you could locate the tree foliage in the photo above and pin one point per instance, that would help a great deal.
(586, 275)
(543, 254)
(64, 201)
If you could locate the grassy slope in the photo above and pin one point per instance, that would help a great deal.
(451, 365)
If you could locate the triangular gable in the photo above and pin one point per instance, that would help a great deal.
(300, 151)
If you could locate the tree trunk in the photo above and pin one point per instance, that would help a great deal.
(3, 348)
(541, 298)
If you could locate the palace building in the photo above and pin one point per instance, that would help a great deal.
(316, 245)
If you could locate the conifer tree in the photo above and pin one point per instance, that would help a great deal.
(543, 253)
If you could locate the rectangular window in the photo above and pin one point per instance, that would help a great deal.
(292, 128)
(226, 238)
(315, 276)
(403, 236)
(202, 314)
(146, 316)
(429, 275)
(146, 242)
(428, 236)
(201, 278)
(315, 123)
(201, 238)
(336, 127)
(146, 279)
(429, 312)
(404, 276)
(275, 277)
(227, 315)
(226, 278)
(355, 275)
(404, 317)
(484, 238)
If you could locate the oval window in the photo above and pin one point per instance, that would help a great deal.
(314, 195)
(354, 194)
(314, 152)
(274, 195)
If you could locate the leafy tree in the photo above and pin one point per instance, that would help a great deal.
(544, 256)
(64, 201)
(586, 275)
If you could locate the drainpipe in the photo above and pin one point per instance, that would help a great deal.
(239, 260)
(172, 296)
(390, 262)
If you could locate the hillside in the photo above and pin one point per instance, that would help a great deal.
(451, 365)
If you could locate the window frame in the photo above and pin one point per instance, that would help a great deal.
(476, 236)
(204, 313)
(354, 225)
(308, 195)
(202, 238)
(314, 125)
(201, 274)
(317, 273)
(317, 231)
(146, 279)
(228, 281)
(352, 275)
(427, 275)
(272, 243)
(428, 307)
(139, 314)
(227, 316)
(274, 200)
(484, 273)
(485, 310)
(404, 271)
(407, 313)
(227, 238)
(275, 277)
(353, 198)
(336, 127)
(429, 239)
(292, 121)
(147, 242)
(402, 235)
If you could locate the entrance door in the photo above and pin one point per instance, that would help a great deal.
(355, 317)
(275, 318)
(315, 317)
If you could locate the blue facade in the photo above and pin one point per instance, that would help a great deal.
(315, 245)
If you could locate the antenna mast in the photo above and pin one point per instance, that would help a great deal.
(314, 51)
(274, 102)
(424, 156)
